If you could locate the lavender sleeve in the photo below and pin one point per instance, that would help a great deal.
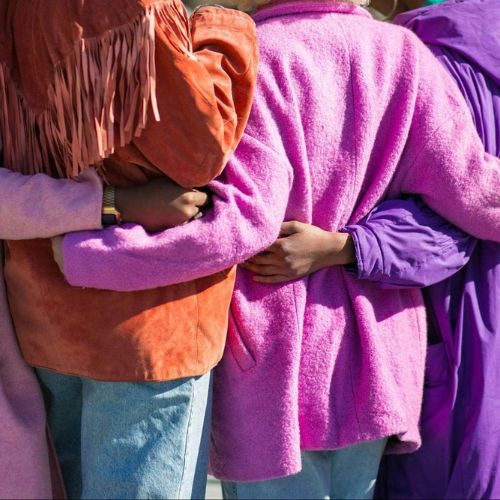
(249, 198)
(38, 206)
(403, 243)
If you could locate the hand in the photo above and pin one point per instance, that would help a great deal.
(58, 251)
(243, 5)
(159, 204)
(302, 249)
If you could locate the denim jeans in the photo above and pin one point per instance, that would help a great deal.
(346, 473)
(130, 440)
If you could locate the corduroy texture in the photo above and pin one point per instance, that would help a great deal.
(32, 207)
(204, 98)
(347, 112)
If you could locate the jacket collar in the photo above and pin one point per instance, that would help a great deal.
(280, 8)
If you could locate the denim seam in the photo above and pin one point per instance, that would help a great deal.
(188, 432)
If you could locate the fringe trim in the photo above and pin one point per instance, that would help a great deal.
(99, 98)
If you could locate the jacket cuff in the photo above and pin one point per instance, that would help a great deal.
(369, 264)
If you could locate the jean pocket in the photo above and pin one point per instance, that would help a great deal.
(238, 346)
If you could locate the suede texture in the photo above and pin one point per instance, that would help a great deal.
(204, 99)
(160, 334)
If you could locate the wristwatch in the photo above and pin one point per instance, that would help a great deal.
(110, 215)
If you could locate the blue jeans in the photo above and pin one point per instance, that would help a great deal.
(130, 440)
(346, 473)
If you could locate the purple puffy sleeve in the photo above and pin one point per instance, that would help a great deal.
(403, 243)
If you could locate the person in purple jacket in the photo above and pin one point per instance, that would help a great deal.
(403, 243)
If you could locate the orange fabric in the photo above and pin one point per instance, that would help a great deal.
(204, 99)
(207, 101)
(95, 52)
(161, 334)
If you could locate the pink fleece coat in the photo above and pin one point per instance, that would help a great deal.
(32, 207)
(348, 111)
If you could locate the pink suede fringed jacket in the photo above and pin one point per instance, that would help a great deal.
(348, 112)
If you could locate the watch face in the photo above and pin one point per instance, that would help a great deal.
(108, 219)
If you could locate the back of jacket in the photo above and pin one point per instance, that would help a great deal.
(147, 92)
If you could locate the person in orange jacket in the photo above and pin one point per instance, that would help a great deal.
(143, 93)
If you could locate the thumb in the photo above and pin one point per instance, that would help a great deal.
(200, 198)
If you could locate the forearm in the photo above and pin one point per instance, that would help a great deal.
(403, 243)
(245, 219)
(39, 206)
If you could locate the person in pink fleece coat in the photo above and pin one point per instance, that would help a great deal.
(348, 112)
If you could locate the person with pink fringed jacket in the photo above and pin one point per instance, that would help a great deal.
(25, 470)
(323, 374)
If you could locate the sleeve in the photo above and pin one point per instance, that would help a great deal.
(403, 243)
(444, 159)
(39, 206)
(204, 85)
(249, 203)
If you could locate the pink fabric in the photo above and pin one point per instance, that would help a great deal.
(347, 112)
(32, 207)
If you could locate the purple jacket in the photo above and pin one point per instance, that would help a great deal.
(326, 361)
(404, 243)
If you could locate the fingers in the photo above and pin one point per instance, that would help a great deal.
(276, 251)
(266, 274)
(276, 278)
(199, 199)
(261, 270)
(265, 259)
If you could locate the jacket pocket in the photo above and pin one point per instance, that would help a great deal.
(438, 391)
(239, 349)
(437, 366)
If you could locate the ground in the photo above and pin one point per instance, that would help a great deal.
(213, 489)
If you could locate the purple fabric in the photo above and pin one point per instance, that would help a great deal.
(325, 361)
(403, 243)
(460, 456)
(469, 28)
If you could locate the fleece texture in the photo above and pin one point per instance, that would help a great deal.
(32, 207)
(347, 112)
